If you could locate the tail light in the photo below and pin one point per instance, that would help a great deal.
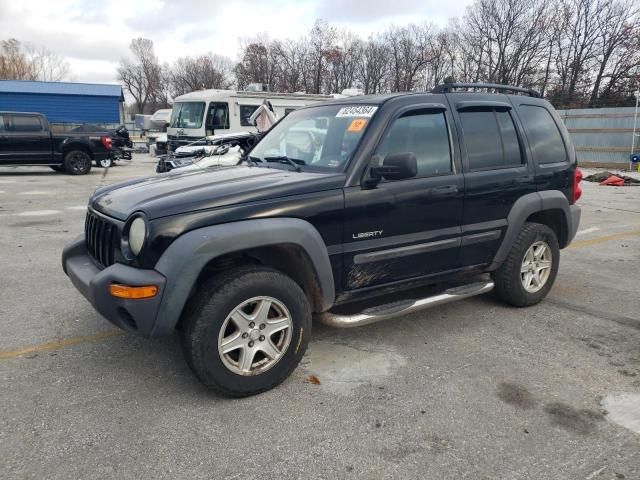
(577, 191)
(107, 142)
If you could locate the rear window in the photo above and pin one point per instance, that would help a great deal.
(25, 123)
(490, 139)
(544, 137)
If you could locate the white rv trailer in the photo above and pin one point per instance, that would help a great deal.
(207, 112)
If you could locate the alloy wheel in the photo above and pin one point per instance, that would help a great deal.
(255, 336)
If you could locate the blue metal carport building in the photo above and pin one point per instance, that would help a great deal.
(64, 102)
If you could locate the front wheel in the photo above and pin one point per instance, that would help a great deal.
(246, 331)
(77, 162)
(528, 273)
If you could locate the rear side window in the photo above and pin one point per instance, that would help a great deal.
(490, 139)
(26, 123)
(423, 133)
(245, 113)
(544, 137)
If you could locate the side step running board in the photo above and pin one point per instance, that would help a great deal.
(392, 310)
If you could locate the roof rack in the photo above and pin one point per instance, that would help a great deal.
(449, 87)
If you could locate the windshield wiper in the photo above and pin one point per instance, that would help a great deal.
(294, 162)
(250, 160)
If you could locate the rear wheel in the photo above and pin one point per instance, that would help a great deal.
(528, 273)
(105, 163)
(246, 331)
(77, 162)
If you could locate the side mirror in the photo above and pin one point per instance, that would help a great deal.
(397, 166)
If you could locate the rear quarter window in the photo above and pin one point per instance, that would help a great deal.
(544, 136)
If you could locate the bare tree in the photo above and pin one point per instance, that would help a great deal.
(206, 71)
(45, 64)
(373, 66)
(141, 76)
(259, 63)
(26, 61)
(577, 45)
(618, 23)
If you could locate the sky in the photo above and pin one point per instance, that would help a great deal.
(93, 35)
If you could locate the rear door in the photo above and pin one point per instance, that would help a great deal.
(496, 172)
(409, 228)
(27, 140)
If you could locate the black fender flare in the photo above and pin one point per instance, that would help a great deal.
(185, 258)
(526, 206)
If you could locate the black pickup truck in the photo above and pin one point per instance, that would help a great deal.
(25, 139)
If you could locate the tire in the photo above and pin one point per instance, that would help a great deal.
(77, 162)
(207, 325)
(57, 168)
(511, 278)
(105, 163)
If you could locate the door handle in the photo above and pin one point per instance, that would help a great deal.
(544, 176)
(444, 191)
(524, 179)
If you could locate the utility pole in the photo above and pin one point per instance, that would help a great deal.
(633, 136)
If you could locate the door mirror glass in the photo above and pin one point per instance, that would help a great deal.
(399, 166)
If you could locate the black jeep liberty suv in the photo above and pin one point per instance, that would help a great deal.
(361, 199)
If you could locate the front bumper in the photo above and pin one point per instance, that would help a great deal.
(137, 316)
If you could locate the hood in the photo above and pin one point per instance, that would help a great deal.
(174, 193)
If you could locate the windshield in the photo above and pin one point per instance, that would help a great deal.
(187, 115)
(322, 137)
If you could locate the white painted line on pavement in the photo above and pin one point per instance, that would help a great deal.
(77, 207)
(588, 230)
(38, 213)
(34, 192)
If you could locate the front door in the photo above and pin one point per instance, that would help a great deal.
(407, 228)
(26, 141)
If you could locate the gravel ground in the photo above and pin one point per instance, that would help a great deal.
(473, 389)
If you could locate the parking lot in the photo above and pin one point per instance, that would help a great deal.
(473, 389)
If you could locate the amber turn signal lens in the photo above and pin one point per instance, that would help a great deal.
(133, 293)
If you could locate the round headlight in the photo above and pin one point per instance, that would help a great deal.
(137, 234)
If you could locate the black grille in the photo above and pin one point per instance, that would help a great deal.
(101, 237)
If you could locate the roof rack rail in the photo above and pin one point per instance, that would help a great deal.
(448, 87)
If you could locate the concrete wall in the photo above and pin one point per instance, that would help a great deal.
(602, 136)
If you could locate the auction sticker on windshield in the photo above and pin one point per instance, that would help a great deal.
(357, 125)
(357, 111)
